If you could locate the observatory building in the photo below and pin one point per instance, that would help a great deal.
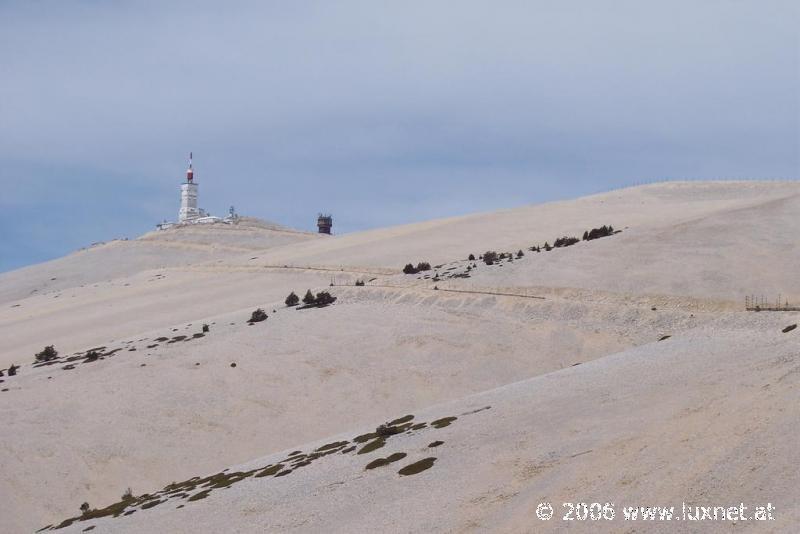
(189, 213)
(188, 196)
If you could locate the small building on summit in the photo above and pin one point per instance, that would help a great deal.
(325, 223)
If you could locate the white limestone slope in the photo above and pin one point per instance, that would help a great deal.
(707, 418)
(721, 255)
(178, 246)
(687, 255)
(655, 212)
(123, 288)
(179, 409)
(720, 241)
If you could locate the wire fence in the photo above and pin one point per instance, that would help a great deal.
(760, 303)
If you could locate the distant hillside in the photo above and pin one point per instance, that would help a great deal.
(183, 245)
(696, 239)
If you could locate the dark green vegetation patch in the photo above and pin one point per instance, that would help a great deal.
(385, 461)
(443, 422)
(373, 445)
(417, 467)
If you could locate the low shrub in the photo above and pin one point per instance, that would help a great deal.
(48, 354)
(292, 299)
(13, 370)
(471, 257)
(489, 257)
(359, 282)
(410, 269)
(257, 316)
(206, 328)
(423, 266)
(324, 298)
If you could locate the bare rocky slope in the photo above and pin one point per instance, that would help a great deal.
(633, 347)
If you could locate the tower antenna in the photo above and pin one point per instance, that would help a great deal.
(190, 171)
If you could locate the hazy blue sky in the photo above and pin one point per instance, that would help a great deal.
(379, 112)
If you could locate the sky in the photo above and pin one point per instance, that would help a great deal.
(381, 113)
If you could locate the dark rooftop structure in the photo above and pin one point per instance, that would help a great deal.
(325, 223)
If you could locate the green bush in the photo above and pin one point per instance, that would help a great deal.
(324, 298)
(48, 354)
(309, 298)
(257, 316)
(292, 299)
(421, 266)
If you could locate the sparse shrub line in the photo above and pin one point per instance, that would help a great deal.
(310, 300)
